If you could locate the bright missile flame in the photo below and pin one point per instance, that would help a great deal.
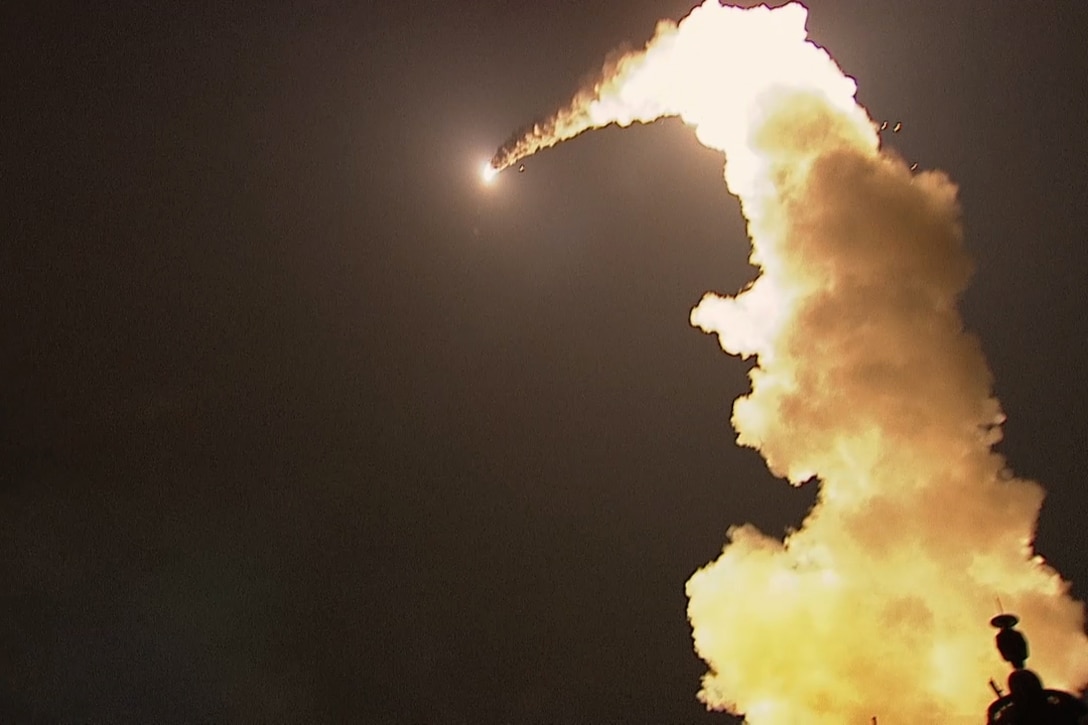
(488, 172)
(878, 604)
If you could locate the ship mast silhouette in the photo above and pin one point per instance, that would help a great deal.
(1028, 702)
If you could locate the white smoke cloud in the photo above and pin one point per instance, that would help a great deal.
(864, 378)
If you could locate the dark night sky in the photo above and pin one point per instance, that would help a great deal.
(300, 424)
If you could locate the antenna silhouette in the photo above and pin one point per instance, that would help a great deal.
(1010, 642)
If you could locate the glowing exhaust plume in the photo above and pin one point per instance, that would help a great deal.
(864, 379)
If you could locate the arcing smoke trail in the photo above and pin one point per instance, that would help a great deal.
(598, 104)
(865, 379)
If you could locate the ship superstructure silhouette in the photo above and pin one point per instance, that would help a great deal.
(1027, 701)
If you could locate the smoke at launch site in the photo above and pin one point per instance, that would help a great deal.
(865, 384)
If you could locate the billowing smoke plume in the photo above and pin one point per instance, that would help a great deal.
(865, 380)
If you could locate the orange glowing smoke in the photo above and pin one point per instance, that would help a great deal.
(865, 380)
